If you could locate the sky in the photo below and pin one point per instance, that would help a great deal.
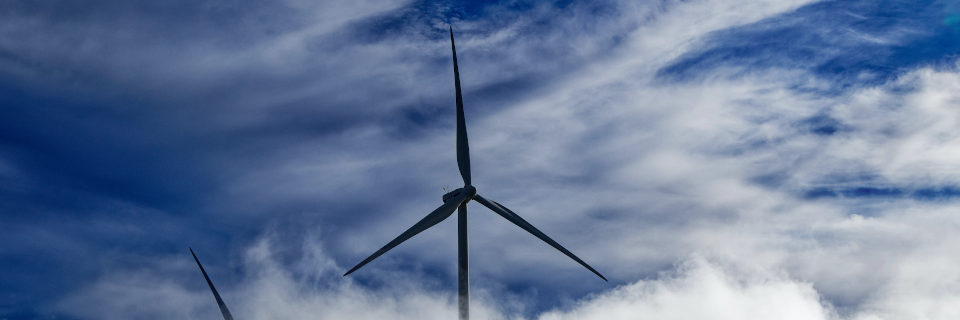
(727, 159)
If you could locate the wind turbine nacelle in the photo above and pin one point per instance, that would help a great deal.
(452, 194)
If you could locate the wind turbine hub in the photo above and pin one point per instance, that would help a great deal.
(471, 192)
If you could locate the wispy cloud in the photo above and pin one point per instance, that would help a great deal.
(734, 159)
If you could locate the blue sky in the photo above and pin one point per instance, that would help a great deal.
(714, 159)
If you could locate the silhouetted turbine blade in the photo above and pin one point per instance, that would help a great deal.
(463, 148)
(430, 220)
(517, 220)
(223, 306)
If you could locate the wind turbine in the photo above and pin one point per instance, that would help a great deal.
(457, 199)
(223, 306)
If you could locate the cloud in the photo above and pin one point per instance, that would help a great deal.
(852, 43)
(760, 184)
(699, 288)
(269, 290)
(702, 290)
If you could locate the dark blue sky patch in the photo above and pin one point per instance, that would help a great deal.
(853, 43)
(30, 315)
(102, 152)
(424, 115)
(872, 192)
(823, 125)
(934, 193)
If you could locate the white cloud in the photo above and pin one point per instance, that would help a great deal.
(702, 290)
(633, 175)
(698, 289)
(314, 290)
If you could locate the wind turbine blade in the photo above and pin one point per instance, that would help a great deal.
(463, 148)
(223, 306)
(430, 220)
(517, 220)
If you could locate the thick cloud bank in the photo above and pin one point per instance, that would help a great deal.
(315, 290)
(698, 289)
(701, 290)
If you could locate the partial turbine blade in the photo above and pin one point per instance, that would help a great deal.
(430, 220)
(223, 306)
(517, 220)
(463, 148)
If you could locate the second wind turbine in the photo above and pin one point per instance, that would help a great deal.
(458, 199)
